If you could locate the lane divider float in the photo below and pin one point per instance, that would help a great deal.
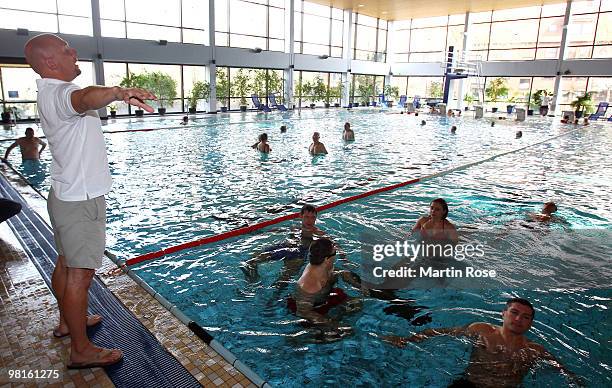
(261, 225)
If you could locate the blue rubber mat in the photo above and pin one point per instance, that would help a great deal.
(146, 363)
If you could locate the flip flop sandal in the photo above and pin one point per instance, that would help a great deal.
(97, 363)
(96, 318)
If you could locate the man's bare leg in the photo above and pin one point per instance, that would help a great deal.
(74, 309)
(58, 283)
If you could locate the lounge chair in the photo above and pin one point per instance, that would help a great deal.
(402, 101)
(601, 111)
(382, 101)
(280, 107)
(259, 105)
(416, 102)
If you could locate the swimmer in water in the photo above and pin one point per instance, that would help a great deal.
(501, 355)
(565, 119)
(316, 147)
(292, 252)
(492, 123)
(519, 134)
(435, 226)
(262, 144)
(283, 128)
(185, 120)
(454, 129)
(316, 284)
(423, 122)
(28, 146)
(348, 134)
(546, 215)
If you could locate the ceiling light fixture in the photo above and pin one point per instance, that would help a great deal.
(361, 5)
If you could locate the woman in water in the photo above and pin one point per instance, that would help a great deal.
(262, 145)
(435, 226)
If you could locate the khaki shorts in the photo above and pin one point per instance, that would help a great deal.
(79, 229)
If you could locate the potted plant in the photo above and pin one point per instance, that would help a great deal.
(274, 83)
(469, 99)
(337, 92)
(582, 105)
(365, 90)
(536, 100)
(308, 91)
(241, 88)
(164, 87)
(319, 90)
(200, 90)
(496, 90)
(510, 107)
(391, 94)
(222, 88)
(258, 84)
(113, 110)
(131, 80)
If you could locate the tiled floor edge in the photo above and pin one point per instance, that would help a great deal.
(193, 326)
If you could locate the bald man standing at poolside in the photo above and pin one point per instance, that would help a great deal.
(80, 177)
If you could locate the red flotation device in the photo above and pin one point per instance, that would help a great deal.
(336, 297)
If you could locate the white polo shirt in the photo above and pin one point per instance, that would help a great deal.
(79, 169)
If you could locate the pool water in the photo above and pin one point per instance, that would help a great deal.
(176, 185)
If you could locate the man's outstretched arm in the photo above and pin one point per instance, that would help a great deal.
(96, 97)
(473, 329)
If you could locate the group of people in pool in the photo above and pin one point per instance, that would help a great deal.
(501, 356)
(566, 120)
(315, 148)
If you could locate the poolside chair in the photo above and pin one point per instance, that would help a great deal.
(601, 111)
(280, 107)
(259, 105)
(382, 101)
(416, 102)
(402, 101)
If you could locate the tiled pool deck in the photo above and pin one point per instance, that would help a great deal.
(28, 314)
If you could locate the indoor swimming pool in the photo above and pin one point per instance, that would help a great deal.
(179, 184)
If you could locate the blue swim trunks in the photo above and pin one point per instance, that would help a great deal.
(286, 251)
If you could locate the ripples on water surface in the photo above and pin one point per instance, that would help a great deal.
(176, 185)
